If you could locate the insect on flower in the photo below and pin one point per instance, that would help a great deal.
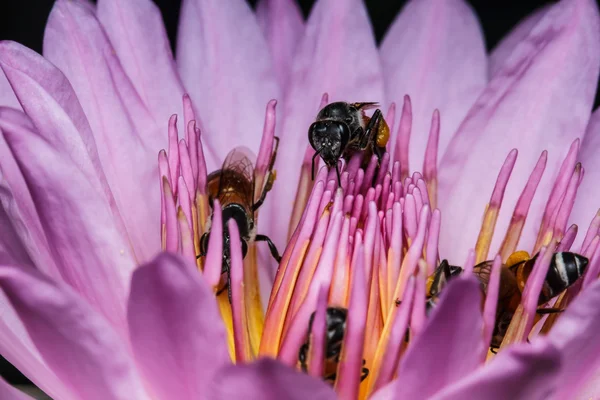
(341, 129)
(565, 269)
(335, 321)
(233, 186)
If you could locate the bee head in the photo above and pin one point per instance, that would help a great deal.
(329, 138)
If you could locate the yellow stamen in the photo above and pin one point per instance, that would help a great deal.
(432, 191)
(254, 309)
(511, 240)
(486, 233)
(225, 309)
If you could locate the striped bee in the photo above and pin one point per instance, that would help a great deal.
(565, 269)
(335, 319)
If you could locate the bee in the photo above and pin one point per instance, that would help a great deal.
(335, 319)
(233, 185)
(565, 269)
(341, 129)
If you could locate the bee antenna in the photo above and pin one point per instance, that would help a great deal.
(312, 171)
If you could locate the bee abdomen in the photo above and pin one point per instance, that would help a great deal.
(565, 269)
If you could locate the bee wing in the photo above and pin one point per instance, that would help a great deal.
(365, 105)
(482, 271)
(238, 172)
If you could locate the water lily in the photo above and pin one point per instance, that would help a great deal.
(92, 310)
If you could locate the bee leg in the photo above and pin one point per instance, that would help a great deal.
(337, 171)
(494, 350)
(371, 131)
(229, 286)
(272, 247)
(365, 372)
(549, 310)
(331, 377)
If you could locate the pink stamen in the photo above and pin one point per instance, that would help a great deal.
(173, 152)
(236, 273)
(469, 263)
(172, 227)
(567, 203)
(591, 232)
(390, 117)
(410, 216)
(393, 351)
(386, 185)
(163, 172)
(186, 167)
(502, 181)
(593, 269)
(532, 290)
(214, 253)
(316, 354)
(519, 216)
(350, 366)
(369, 173)
(396, 173)
(324, 100)
(187, 238)
(568, 239)
(431, 155)
(418, 316)
(403, 137)
(491, 301)
(558, 190)
(341, 275)
(266, 143)
(433, 238)
(383, 168)
(185, 203)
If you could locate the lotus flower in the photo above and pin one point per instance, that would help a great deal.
(92, 310)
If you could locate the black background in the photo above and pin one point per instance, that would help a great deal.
(23, 21)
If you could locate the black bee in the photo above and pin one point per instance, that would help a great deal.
(565, 269)
(341, 129)
(336, 327)
(233, 186)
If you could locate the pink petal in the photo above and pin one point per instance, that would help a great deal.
(11, 246)
(587, 201)
(16, 199)
(176, 330)
(227, 72)
(337, 55)
(75, 341)
(76, 43)
(539, 99)
(84, 242)
(450, 345)
(508, 44)
(575, 335)
(7, 95)
(282, 24)
(137, 34)
(267, 379)
(435, 53)
(48, 99)
(521, 372)
(8, 392)
(16, 346)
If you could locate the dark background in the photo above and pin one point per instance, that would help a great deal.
(24, 21)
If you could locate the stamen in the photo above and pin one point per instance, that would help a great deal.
(491, 302)
(318, 335)
(591, 232)
(266, 148)
(567, 203)
(389, 349)
(341, 274)
(214, 253)
(350, 366)
(418, 316)
(390, 117)
(560, 186)
(186, 239)
(513, 233)
(171, 237)
(173, 152)
(493, 208)
(523, 318)
(410, 216)
(433, 238)
(568, 239)
(401, 149)
(430, 161)
(243, 351)
(469, 263)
